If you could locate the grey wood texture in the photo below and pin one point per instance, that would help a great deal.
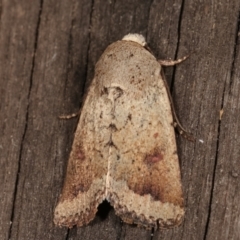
(48, 50)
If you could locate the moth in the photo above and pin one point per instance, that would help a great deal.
(124, 149)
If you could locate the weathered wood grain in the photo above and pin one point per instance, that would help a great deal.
(17, 47)
(48, 50)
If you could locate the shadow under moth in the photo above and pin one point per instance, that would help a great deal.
(124, 148)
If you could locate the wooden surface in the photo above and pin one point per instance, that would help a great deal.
(48, 50)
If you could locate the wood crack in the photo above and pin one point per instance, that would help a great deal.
(26, 118)
(178, 44)
(237, 34)
(224, 95)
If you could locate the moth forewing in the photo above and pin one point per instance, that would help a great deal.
(124, 148)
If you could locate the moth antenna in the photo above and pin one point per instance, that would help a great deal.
(72, 115)
(170, 62)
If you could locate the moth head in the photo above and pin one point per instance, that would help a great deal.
(134, 37)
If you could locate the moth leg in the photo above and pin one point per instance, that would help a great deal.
(176, 123)
(73, 115)
(170, 62)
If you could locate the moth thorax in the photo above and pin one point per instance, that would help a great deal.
(134, 37)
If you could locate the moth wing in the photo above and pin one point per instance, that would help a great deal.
(85, 181)
(124, 147)
(143, 181)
